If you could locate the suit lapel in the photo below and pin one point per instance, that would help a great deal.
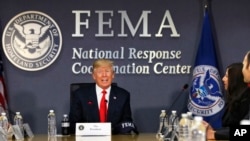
(112, 103)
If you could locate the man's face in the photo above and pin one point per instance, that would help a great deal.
(246, 70)
(103, 76)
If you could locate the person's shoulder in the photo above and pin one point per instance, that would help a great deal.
(120, 89)
(84, 87)
(246, 93)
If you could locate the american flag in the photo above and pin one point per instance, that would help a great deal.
(3, 93)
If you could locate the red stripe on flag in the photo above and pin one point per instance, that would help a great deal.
(3, 100)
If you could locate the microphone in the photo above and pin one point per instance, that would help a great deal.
(184, 88)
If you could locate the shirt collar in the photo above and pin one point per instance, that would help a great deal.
(99, 89)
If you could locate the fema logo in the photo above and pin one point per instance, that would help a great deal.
(32, 41)
(205, 94)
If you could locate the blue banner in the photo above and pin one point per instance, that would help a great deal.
(205, 98)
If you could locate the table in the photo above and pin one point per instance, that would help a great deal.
(140, 137)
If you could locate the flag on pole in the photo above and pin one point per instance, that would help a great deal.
(205, 97)
(3, 92)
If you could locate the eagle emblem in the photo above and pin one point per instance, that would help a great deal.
(32, 40)
(31, 43)
(205, 96)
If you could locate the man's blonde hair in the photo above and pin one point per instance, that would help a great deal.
(102, 62)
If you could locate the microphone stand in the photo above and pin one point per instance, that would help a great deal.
(177, 97)
(171, 106)
(172, 135)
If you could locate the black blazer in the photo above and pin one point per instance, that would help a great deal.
(84, 106)
(238, 112)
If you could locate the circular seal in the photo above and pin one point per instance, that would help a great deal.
(205, 94)
(32, 40)
(81, 127)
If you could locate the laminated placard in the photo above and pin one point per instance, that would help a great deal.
(93, 138)
(17, 132)
(27, 130)
(3, 136)
(93, 128)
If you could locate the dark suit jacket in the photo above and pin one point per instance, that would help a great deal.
(84, 106)
(238, 112)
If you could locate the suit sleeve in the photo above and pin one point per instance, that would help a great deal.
(124, 115)
(222, 134)
(75, 114)
(127, 114)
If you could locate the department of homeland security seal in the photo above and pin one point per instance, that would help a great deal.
(32, 40)
(205, 97)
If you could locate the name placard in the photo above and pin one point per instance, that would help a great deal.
(93, 128)
(93, 138)
(17, 132)
(3, 136)
(28, 130)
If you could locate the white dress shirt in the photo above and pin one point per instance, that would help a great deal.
(99, 94)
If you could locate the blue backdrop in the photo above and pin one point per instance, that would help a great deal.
(153, 45)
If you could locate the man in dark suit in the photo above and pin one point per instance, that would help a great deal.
(86, 101)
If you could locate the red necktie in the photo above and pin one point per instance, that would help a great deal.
(103, 107)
